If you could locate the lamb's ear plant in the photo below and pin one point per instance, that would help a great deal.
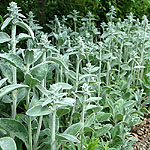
(79, 90)
(74, 16)
(55, 100)
(44, 43)
(14, 18)
(32, 78)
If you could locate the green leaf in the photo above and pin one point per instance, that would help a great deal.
(2, 81)
(86, 76)
(117, 142)
(58, 61)
(94, 144)
(129, 104)
(6, 22)
(9, 88)
(107, 56)
(3, 133)
(23, 36)
(21, 15)
(103, 130)
(93, 99)
(4, 37)
(43, 90)
(95, 108)
(125, 67)
(1, 19)
(116, 131)
(60, 41)
(67, 137)
(39, 71)
(26, 27)
(7, 99)
(66, 101)
(15, 60)
(62, 111)
(6, 70)
(38, 111)
(132, 138)
(14, 127)
(118, 117)
(30, 81)
(103, 116)
(148, 74)
(126, 96)
(7, 143)
(89, 121)
(37, 54)
(64, 86)
(71, 74)
(74, 129)
(88, 129)
(139, 67)
(21, 95)
(29, 57)
(46, 102)
(128, 44)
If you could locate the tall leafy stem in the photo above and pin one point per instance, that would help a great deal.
(145, 28)
(79, 55)
(44, 42)
(14, 17)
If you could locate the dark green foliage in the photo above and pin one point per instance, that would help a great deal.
(46, 9)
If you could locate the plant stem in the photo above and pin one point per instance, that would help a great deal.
(29, 120)
(109, 65)
(82, 120)
(108, 71)
(53, 145)
(75, 26)
(30, 133)
(76, 88)
(120, 59)
(61, 74)
(37, 133)
(142, 54)
(28, 98)
(14, 93)
(77, 73)
(99, 75)
(41, 117)
(83, 109)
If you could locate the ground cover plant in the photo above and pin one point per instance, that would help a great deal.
(73, 88)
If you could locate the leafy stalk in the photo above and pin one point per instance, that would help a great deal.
(29, 119)
(76, 87)
(99, 75)
(53, 139)
(82, 119)
(142, 52)
(38, 132)
(41, 117)
(77, 73)
(14, 70)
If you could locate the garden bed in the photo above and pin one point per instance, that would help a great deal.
(142, 133)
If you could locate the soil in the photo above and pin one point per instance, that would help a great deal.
(142, 133)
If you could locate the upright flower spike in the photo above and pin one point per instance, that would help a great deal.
(13, 15)
(44, 41)
(14, 11)
(32, 22)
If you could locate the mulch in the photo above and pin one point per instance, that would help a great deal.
(142, 133)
